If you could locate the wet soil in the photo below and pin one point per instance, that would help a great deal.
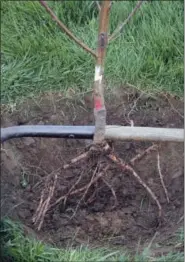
(27, 162)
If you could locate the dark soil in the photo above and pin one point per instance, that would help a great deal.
(27, 162)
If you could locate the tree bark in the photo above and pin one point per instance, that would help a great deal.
(99, 103)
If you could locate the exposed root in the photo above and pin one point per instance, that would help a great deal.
(133, 172)
(92, 197)
(82, 188)
(41, 204)
(181, 218)
(161, 177)
(154, 197)
(102, 148)
(140, 156)
(71, 189)
(76, 159)
(37, 213)
(95, 150)
(113, 192)
(44, 205)
(85, 193)
(134, 107)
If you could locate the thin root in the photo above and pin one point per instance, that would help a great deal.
(161, 177)
(113, 192)
(140, 156)
(71, 189)
(85, 193)
(133, 172)
(92, 197)
(76, 159)
(51, 192)
(44, 206)
(37, 213)
(82, 188)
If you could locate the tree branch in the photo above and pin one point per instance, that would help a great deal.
(66, 30)
(98, 5)
(121, 26)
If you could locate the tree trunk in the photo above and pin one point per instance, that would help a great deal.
(99, 104)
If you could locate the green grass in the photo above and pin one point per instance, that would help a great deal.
(37, 56)
(19, 248)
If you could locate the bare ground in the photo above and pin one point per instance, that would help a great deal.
(27, 162)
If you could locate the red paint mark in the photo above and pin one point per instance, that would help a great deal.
(97, 103)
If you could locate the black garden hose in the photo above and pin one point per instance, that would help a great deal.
(54, 131)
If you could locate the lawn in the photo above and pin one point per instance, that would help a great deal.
(37, 57)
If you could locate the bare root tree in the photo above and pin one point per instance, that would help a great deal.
(99, 146)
